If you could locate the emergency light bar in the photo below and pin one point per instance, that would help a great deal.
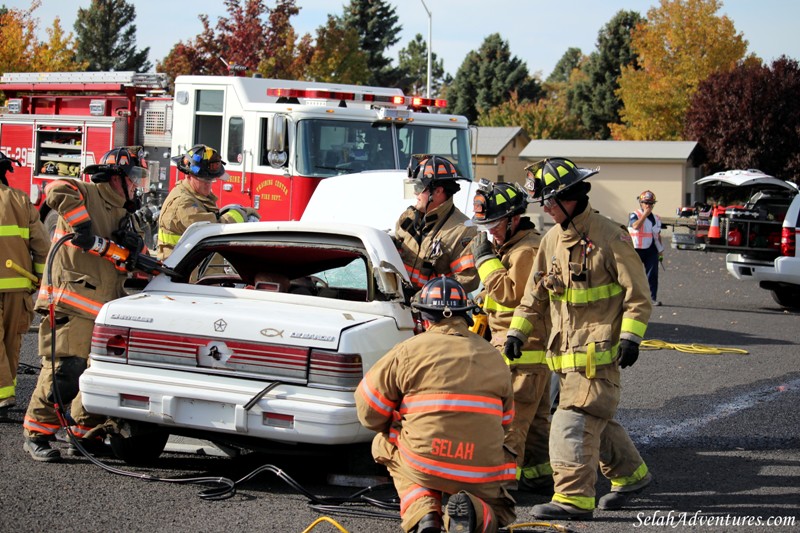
(324, 94)
(417, 101)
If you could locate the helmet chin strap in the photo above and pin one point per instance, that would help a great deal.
(131, 204)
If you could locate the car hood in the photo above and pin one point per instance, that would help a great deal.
(256, 320)
(746, 178)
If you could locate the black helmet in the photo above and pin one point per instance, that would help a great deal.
(120, 161)
(443, 296)
(495, 202)
(202, 162)
(431, 168)
(555, 176)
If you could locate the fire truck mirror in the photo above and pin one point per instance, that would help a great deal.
(276, 141)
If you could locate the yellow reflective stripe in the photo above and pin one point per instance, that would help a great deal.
(15, 283)
(13, 230)
(634, 478)
(581, 502)
(235, 215)
(631, 325)
(491, 305)
(165, 237)
(8, 392)
(590, 360)
(38, 268)
(487, 267)
(529, 357)
(532, 472)
(522, 325)
(578, 360)
(585, 296)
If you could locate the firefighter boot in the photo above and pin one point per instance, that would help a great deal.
(94, 447)
(430, 523)
(617, 499)
(561, 511)
(461, 514)
(40, 450)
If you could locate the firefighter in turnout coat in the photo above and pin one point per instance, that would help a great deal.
(589, 279)
(504, 266)
(24, 241)
(431, 236)
(81, 284)
(441, 403)
(191, 200)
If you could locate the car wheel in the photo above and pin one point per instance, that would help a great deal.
(139, 443)
(785, 297)
(50, 221)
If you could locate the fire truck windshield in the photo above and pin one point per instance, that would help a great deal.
(331, 147)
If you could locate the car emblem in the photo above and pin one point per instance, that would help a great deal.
(220, 325)
(272, 332)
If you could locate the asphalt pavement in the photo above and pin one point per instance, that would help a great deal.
(719, 432)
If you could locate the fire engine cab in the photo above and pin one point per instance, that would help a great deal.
(279, 138)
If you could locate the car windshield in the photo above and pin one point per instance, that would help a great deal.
(336, 268)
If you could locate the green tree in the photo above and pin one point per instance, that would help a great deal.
(683, 42)
(107, 37)
(571, 60)
(335, 55)
(375, 21)
(543, 119)
(749, 117)
(593, 96)
(487, 77)
(413, 67)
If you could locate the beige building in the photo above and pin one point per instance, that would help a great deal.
(626, 169)
(497, 153)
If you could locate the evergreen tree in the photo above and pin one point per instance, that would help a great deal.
(593, 98)
(487, 77)
(563, 69)
(375, 21)
(413, 67)
(107, 37)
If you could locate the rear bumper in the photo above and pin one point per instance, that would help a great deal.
(287, 413)
(785, 270)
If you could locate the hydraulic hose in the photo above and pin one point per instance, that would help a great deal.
(655, 344)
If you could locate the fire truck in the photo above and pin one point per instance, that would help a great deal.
(280, 138)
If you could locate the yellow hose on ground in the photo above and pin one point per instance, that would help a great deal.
(325, 519)
(548, 525)
(655, 344)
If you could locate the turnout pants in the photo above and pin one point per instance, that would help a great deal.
(584, 435)
(73, 339)
(494, 507)
(529, 433)
(16, 311)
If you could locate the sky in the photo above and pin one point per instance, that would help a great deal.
(538, 32)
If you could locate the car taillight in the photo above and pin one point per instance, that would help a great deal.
(788, 241)
(110, 341)
(331, 370)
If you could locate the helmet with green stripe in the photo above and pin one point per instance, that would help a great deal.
(495, 202)
(556, 176)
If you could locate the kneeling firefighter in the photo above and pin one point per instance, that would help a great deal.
(98, 214)
(504, 266)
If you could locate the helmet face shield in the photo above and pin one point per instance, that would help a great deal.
(140, 177)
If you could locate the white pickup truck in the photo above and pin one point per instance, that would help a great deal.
(218, 354)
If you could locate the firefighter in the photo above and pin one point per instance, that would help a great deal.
(191, 200)
(504, 266)
(441, 403)
(645, 229)
(24, 242)
(81, 283)
(590, 281)
(431, 236)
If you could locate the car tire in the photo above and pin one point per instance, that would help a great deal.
(144, 443)
(785, 297)
(50, 221)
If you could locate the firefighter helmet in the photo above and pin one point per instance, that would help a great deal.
(442, 295)
(202, 162)
(647, 197)
(494, 202)
(123, 162)
(555, 176)
(430, 168)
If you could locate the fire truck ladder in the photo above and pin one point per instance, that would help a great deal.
(147, 80)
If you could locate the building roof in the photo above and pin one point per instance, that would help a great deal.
(492, 140)
(610, 150)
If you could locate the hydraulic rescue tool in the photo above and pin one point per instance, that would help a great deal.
(123, 258)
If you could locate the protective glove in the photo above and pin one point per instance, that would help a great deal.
(481, 248)
(512, 348)
(83, 237)
(628, 353)
(252, 215)
(130, 240)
